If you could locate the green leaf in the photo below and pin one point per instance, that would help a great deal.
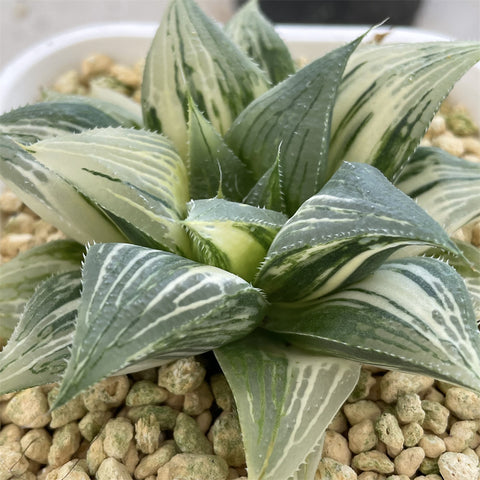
(211, 163)
(31, 123)
(135, 177)
(285, 399)
(257, 37)
(447, 187)
(191, 56)
(52, 198)
(296, 114)
(127, 112)
(20, 276)
(413, 314)
(232, 236)
(344, 233)
(38, 349)
(268, 192)
(388, 97)
(139, 304)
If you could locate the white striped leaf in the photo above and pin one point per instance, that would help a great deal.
(52, 198)
(135, 176)
(257, 37)
(344, 233)
(413, 314)
(295, 114)
(38, 349)
(232, 236)
(191, 56)
(20, 277)
(268, 192)
(126, 111)
(285, 399)
(308, 469)
(31, 123)
(388, 97)
(446, 187)
(141, 304)
(212, 165)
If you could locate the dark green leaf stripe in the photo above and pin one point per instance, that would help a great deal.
(211, 164)
(257, 37)
(51, 197)
(295, 114)
(20, 276)
(389, 95)
(344, 233)
(285, 398)
(447, 187)
(38, 349)
(414, 314)
(190, 53)
(43, 120)
(230, 235)
(139, 304)
(135, 176)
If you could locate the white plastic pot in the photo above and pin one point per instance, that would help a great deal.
(22, 80)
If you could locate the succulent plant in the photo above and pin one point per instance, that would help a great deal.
(285, 219)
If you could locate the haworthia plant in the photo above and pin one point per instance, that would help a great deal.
(233, 223)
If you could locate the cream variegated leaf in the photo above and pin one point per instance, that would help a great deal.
(387, 98)
(191, 56)
(53, 198)
(135, 177)
(414, 314)
(142, 305)
(285, 399)
(38, 350)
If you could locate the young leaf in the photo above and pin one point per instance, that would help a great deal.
(191, 56)
(38, 349)
(257, 37)
(139, 303)
(446, 187)
(52, 198)
(211, 163)
(388, 97)
(344, 233)
(135, 176)
(20, 276)
(296, 114)
(31, 123)
(127, 112)
(232, 236)
(268, 191)
(285, 399)
(413, 314)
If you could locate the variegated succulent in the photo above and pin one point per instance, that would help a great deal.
(285, 219)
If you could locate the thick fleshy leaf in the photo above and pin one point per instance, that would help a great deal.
(232, 236)
(136, 177)
(257, 37)
(52, 198)
(344, 233)
(388, 97)
(211, 164)
(447, 187)
(268, 191)
(38, 349)
(127, 112)
(285, 399)
(309, 468)
(295, 114)
(191, 56)
(139, 304)
(20, 276)
(31, 123)
(413, 314)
